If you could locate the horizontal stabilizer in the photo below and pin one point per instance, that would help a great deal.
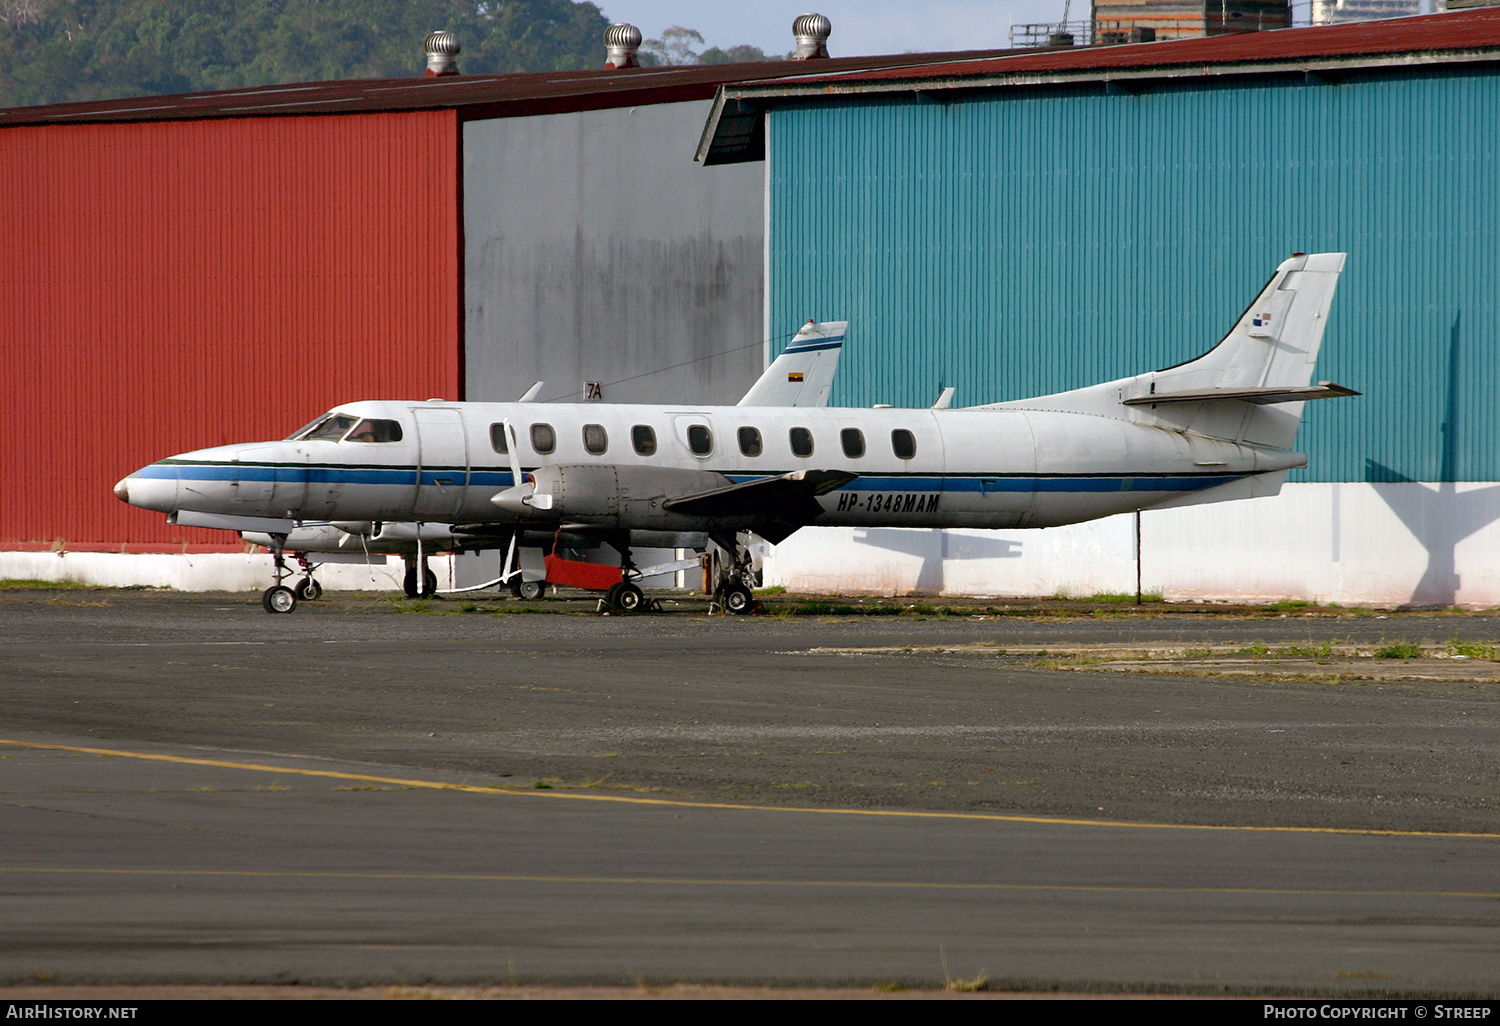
(1259, 396)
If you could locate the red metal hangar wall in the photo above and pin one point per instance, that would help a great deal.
(173, 285)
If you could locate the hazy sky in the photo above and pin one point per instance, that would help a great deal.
(860, 27)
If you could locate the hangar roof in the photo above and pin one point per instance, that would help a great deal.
(472, 96)
(734, 132)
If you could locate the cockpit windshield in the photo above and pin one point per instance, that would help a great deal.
(330, 429)
(305, 428)
(334, 427)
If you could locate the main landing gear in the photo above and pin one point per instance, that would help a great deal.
(278, 598)
(732, 592)
(409, 582)
(625, 597)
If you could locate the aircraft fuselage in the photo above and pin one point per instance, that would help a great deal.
(615, 465)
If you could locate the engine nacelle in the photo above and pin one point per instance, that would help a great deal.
(603, 493)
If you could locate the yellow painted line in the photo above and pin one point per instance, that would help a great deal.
(688, 881)
(988, 817)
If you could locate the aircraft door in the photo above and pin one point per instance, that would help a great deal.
(442, 463)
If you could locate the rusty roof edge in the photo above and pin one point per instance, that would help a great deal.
(768, 92)
(580, 90)
(1198, 69)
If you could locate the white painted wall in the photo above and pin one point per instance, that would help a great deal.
(211, 571)
(1352, 543)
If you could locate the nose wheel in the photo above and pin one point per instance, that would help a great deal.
(278, 598)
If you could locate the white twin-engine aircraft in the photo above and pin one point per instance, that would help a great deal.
(801, 376)
(1217, 428)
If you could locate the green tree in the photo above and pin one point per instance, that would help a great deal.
(57, 51)
(736, 55)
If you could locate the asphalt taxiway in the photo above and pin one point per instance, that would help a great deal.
(360, 793)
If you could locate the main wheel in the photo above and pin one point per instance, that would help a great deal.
(738, 600)
(409, 584)
(531, 590)
(308, 590)
(279, 599)
(629, 598)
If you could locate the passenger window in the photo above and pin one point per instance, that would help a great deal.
(498, 441)
(543, 438)
(595, 439)
(853, 440)
(700, 439)
(750, 441)
(903, 444)
(802, 442)
(376, 431)
(643, 437)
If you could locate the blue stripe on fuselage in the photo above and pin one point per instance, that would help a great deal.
(316, 474)
(1030, 483)
(327, 474)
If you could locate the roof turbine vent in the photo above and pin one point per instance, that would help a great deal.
(442, 54)
(621, 43)
(812, 32)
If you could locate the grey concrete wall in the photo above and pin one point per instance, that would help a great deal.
(596, 249)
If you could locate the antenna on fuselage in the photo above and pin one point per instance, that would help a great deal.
(531, 392)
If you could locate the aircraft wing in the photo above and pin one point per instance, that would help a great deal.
(781, 504)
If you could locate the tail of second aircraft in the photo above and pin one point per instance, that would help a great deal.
(1251, 386)
(803, 374)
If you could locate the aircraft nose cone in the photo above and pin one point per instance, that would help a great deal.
(122, 489)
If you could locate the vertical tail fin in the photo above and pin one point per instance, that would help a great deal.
(1275, 342)
(803, 374)
(1251, 386)
(1273, 346)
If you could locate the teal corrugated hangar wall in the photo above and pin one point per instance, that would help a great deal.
(1030, 241)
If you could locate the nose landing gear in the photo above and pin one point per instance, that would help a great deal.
(278, 598)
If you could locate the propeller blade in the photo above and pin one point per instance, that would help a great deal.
(510, 450)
